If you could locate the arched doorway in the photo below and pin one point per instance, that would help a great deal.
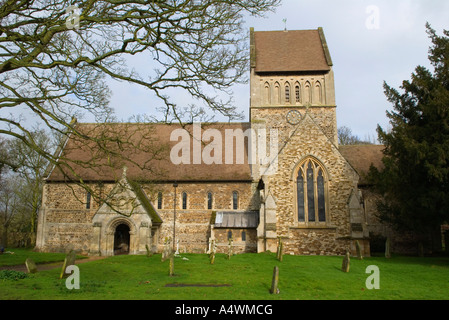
(121, 239)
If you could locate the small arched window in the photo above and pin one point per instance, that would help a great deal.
(184, 200)
(159, 200)
(277, 93)
(88, 200)
(318, 95)
(307, 93)
(287, 93)
(209, 200)
(243, 236)
(297, 93)
(311, 184)
(267, 93)
(235, 200)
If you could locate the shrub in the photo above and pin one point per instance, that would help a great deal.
(12, 275)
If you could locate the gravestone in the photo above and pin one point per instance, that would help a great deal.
(212, 248)
(149, 253)
(230, 248)
(359, 250)
(167, 250)
(346, 262)
(68, 261)
(387, 248)
(274, 283)
(31, 266)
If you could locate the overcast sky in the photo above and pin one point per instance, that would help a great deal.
(366, 51)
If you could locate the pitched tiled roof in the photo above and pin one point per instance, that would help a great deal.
(361, 157)
(291, 51)
(145, 150)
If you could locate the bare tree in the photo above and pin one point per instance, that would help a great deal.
(346, 137)
(56, 58)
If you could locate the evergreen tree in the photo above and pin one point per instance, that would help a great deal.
(415, 177)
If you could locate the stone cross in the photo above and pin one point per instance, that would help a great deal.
(31, 266)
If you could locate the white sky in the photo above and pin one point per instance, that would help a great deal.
(363, 57)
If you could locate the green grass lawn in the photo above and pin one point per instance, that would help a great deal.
(248, 276)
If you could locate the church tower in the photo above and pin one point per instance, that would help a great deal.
(310, 199)
(291, 73)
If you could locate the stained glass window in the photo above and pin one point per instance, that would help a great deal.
(311, 192)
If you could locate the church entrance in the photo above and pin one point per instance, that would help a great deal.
(121, 239)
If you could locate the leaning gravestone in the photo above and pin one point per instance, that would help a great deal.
(275, 281)
(68, 261)
(345, 264)
(31, 266)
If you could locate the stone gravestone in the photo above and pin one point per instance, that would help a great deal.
(31, 266)
(387, 248)
(346, 262)
(359, 250)
(68, 261)
(274, 283)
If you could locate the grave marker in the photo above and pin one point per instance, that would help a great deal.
(68, 261)
(31, 266)
(346, 262)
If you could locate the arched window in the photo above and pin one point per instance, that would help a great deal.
(311, 184)
(88, 199)
(267, 93)
(184, 200)
(307, 93)
(159, 200)
(277, 93)
(243, 236)
(209, 200)
(287, 93)
(318, 95)
(235, 200)
(297, 93)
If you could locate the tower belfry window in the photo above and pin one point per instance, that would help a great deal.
(297, 94)
(287, 93)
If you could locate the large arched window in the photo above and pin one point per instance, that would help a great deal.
(311, 186)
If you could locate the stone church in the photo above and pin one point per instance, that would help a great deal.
(310, 193)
